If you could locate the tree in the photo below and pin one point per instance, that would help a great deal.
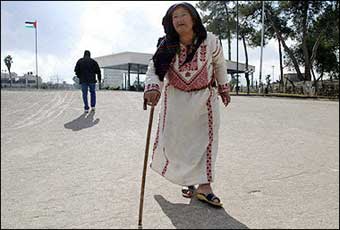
(247, 32)
(323, 61)
(8, 61)
(305, 23)
(220, 19)
(301, 16)
(285, 31)
(320, 47)
(325, 51)
(253, 13)
(276, 23)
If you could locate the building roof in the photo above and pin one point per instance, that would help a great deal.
(122, 60)
(232, 67)
(139, 62)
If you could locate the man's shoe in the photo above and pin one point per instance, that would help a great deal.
(86, 111)
(93, 109)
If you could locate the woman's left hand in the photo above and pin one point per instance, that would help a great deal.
(225, 98)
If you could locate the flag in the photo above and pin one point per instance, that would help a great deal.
(31, 24)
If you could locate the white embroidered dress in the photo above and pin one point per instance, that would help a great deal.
(186, 141)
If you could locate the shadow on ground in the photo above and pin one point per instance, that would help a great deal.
(198, 215)
(82, 122)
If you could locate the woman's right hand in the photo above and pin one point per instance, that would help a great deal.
(152, 97)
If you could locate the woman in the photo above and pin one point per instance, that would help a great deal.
(185, 68)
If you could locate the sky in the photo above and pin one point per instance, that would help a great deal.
(67, 28)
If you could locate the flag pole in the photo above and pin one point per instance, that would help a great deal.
(36, 52)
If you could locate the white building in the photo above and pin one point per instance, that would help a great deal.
(120, 67)
(113, 78)
(28, 80)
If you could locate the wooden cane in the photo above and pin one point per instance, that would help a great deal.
(141, 201)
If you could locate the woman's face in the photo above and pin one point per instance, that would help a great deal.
(182, 20)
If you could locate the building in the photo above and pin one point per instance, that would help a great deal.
(26, 81)
(119, 67)
(113, 78)
(5, 79)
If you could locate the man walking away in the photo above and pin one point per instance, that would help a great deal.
(86, 70)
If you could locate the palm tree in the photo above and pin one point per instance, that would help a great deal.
(8, 61)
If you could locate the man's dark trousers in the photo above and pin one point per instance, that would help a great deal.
(84, 89)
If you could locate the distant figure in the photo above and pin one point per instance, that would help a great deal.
(86, 70)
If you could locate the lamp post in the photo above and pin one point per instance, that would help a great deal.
(262, 34)
(237, 48)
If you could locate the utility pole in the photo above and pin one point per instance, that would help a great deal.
(236, 47)
(260, 76)
(36, 52)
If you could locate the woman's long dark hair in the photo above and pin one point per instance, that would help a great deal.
(169, 44)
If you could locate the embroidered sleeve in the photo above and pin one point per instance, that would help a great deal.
(219, 63)
(152, 81)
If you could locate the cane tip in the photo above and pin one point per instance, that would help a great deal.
(145, 104)
(140, 227)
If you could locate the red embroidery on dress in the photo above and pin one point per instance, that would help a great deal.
(166, 164)
(198, 81)
(190, 66)
(203, 53)
(165, 167)
(165, 104)
(182, 56)
(155, 145)
(211, 138)
(159, 123)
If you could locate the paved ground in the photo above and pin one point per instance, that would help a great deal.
(278, 165)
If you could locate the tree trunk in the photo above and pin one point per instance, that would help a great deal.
(246, 56)
(291, 82)
(10, 78)
(281, 66)
(316, 80)
(286, 48)
(304, 42)
(315, 48)
(228, 31)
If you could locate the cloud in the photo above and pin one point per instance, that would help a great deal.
(67, 29)
(121, 26)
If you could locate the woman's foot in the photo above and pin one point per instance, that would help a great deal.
(205, 194)
(188, 192)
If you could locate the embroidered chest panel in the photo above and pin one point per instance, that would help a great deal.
(192, 75)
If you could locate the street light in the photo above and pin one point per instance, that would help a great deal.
(237, 76)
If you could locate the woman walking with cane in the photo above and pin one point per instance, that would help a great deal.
(189, 70)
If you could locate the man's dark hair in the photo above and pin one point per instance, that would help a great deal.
(87, 53)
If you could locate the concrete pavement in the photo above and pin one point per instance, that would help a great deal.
(278, 165)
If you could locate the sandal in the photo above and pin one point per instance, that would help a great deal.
(188, 192)
(209, 198)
